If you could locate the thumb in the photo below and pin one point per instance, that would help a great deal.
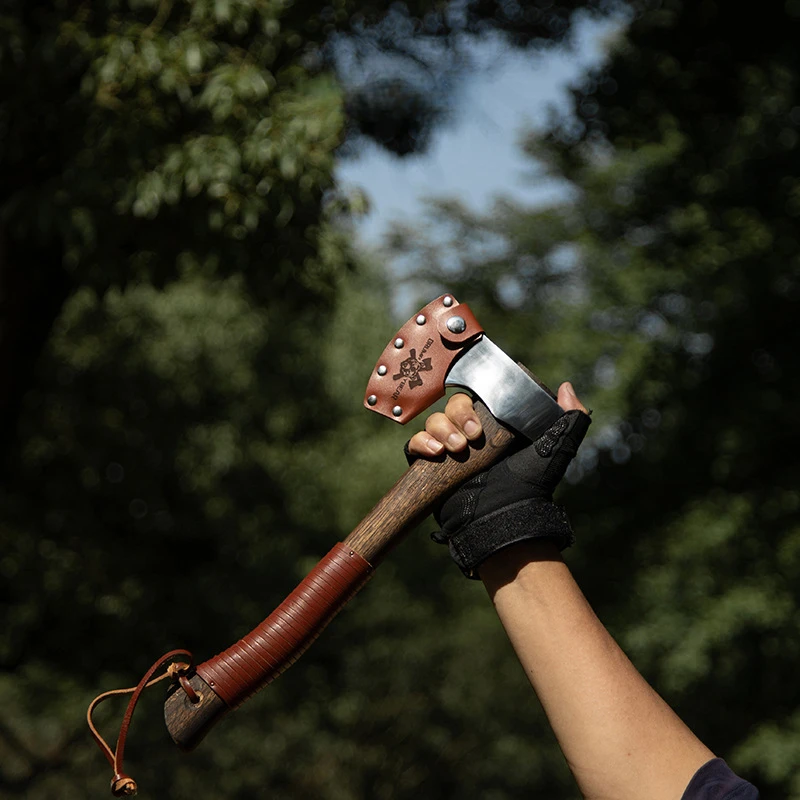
(568, 400)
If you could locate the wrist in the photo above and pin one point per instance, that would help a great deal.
(518, 562)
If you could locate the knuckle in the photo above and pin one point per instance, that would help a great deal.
(458, 402)
(459, 409)
(439, 426)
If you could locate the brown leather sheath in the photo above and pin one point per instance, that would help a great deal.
(410, 374)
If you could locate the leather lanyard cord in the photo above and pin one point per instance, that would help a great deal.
(123, 785)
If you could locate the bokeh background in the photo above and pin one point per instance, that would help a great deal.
(194, 289)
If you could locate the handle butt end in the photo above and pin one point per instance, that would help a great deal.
(188, 722)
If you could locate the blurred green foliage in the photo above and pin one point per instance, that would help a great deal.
(184, 339)
(666, 285)
(164, 169)
(185, 336)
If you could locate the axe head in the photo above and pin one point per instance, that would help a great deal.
(444, 345)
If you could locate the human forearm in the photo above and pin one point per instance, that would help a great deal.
(621, 740)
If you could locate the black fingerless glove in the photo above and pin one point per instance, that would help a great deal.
(513, 500)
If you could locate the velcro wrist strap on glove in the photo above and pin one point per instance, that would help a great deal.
(528, 519)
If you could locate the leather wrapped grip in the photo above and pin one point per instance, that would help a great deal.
(258, 658)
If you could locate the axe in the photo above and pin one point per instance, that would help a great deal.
(443, 345)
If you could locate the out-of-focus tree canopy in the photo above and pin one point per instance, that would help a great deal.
(139, 137)
(185, 336)
(667, 286)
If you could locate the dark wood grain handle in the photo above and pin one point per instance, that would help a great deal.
(228, 679)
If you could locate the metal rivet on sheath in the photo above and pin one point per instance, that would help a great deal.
(382, 370)
(421, 319)
(456, 325)
(448, 301)
(398, 343)
(397, 411)
(372, 399)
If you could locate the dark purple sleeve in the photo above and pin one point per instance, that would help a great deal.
(715, 781)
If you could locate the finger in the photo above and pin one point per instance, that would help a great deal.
(568, 400)
(460, 410)
(444, 430)
(423, 444)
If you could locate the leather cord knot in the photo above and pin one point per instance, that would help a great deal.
(178, 671)
(123, 785)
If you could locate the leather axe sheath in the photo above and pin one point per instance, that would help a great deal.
(443, 345)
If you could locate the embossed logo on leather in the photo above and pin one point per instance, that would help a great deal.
(412, 366)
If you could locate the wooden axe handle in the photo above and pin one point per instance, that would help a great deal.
(227, 680)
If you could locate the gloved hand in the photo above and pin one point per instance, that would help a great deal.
(513, 500)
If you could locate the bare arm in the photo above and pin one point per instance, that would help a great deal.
(620, 739)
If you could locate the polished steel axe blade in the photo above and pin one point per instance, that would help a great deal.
(507, 390)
